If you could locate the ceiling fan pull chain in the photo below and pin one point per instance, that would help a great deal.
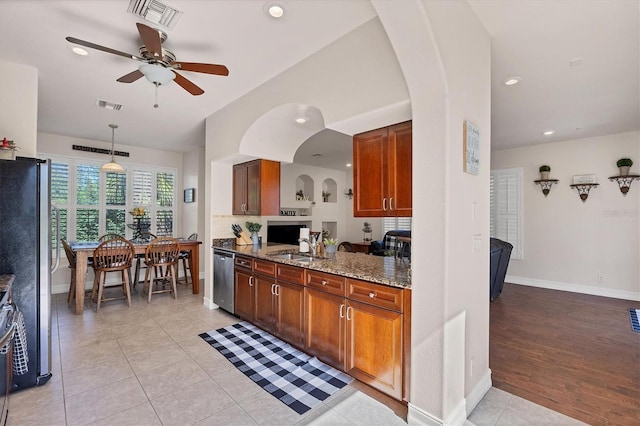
(156, 98)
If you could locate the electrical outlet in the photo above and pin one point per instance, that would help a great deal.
(600, 278)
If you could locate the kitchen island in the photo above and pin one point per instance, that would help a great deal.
(351, 311)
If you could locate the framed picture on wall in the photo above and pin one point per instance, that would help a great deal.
(471, 148)
(189, 195)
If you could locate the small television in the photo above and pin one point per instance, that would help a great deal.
(284, 234)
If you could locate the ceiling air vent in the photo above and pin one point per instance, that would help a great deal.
(156, 12)
(108, 105)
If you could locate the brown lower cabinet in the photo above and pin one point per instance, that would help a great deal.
(359, 327)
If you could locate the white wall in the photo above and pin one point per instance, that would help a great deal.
(19, 106)
(192, 213)
(568, 244)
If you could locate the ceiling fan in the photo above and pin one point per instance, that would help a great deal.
(159, 64)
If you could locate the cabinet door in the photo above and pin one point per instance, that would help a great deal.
(374, 347)
(290, 313)
(325, 327)
(263, 314)
(370, 173)
(239, 188)
(400, 161)
(253, 188)
(244, 295)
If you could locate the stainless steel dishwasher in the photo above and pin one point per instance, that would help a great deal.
(223, 279)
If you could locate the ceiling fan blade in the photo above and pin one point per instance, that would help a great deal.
(104, 49)
(131, 77)
(204, 68)
(188, 85)
(151, 39)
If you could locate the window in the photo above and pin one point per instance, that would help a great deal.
(505, 194)
(92, 203)
(396, 223)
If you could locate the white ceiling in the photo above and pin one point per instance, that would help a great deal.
(535, 40)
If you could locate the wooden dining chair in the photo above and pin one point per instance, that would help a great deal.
(71, 258)
(161, 259)
(139, 258)
(109, 236)
(113, 255)
(185, 257)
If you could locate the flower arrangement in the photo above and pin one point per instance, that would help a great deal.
(253, 227)
(7, 144)
(137, 212)
(330, 241)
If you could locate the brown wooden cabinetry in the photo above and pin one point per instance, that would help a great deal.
(382, 162)
(256, 188)
(325, 327)
(244, 297)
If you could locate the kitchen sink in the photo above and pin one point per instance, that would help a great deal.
(295, 257)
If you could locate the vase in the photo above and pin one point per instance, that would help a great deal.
(330, 249)
(624, 170)
(544, 175)
(255, 239)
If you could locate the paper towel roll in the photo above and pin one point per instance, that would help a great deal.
(304, 246)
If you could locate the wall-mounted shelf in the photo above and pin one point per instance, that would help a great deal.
(583, 189)
(545, 184)
(624, 182)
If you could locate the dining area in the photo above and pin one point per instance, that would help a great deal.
(154, 262)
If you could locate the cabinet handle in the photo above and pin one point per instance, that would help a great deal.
(349, 309)
(277, 288)
(384, 204)
(341, 311)
(372, 295)
(391, 203)
(251, 281)
(324, 282)
(273, 288)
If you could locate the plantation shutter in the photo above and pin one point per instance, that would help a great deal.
(87, 196)
(396, 223)
(506, 208)
(60, 199)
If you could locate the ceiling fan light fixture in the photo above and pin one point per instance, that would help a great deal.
(112, 166)
(157, 74)
(79, 51)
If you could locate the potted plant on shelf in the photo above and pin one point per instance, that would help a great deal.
(254, 228)
(544, 172)
(624, 164)
(7, 149)
(325, 196)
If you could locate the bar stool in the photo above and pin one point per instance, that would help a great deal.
(113, 255)
(161, 256)
(185, 256)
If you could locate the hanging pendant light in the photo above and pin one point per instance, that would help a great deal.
(112, 166)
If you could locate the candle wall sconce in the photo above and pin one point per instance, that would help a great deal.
(583, 189)
(624, 182)
(546, 185)
(349, 193)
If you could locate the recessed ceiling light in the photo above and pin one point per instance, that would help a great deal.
(79, 51)
(511, 81)
(275, 10)
(301, 120)
(348, 164)
(548, 132)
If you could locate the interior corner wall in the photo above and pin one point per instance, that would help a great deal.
(590, 247)
(193, 213)
(19, 106)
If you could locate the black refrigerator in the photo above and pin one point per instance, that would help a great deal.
(25, 251)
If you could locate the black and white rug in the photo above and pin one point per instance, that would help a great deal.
(292, 376)
(635, 319)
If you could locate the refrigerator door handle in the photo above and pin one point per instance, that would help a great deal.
(56, 265)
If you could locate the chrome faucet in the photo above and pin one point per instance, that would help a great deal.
(313, 244)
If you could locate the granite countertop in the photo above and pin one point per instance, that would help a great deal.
(378, 269)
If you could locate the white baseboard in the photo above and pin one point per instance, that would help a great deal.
(574, 288)
(208, 303)
(417, 416)
(458, 415)
(478, 392)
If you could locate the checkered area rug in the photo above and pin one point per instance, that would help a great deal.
(296, 379)
(635, 319)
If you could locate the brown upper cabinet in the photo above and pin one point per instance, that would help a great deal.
(382, 172)
(256, 188)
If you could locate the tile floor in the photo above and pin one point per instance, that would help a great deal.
(146, 365)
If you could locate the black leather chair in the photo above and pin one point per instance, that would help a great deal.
(389, 245)
(498, 264)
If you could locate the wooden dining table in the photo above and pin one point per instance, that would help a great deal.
(84, 250)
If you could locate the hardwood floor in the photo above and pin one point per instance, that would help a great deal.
(573, 353)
